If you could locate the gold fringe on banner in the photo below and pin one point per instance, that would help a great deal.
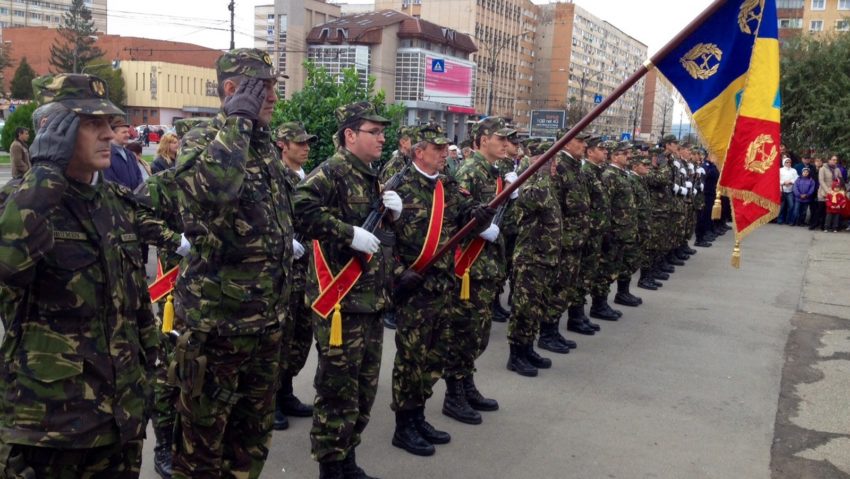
(736, 255)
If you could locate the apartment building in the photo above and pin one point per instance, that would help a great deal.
(504, 31)
(425, 66)
(37, 13)
(281, 30)
(659, 96)
(580, 59)
(815, 17)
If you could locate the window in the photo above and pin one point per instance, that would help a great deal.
(816, 26)
(818, 4)
(844, 4)
(790, 23)
(842, 25)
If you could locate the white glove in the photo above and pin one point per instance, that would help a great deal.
(184, 247)
(701, 170)
(392, 202)
(364, 241)
(490, 234)
(689, 185)
(691, 166)
(510, 177)
(677, 164)
(683, 171)
(684, 191)
(297, 249)
(675, 189)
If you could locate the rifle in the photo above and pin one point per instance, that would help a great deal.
(376, 215)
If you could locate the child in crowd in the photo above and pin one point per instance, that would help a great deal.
(804, 190)
(835, 203)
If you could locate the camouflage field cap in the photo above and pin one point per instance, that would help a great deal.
(433, 133)
(293, 131)
(669, 139)
(251, 62)
(409, 131)
(362, 110)
(656, 150)
(541, 147)
(84, 94)
(642, 160)
(594, 141)
(184, 125)
(623, 146)
(493, 125)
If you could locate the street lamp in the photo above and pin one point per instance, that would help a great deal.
(493, 50)
(583, 81)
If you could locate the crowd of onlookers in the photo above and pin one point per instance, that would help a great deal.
(814, 193)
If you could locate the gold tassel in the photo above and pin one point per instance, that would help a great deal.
(464, 286)
(717, 209)
(168, 315)
(736, 255)
(336, 326)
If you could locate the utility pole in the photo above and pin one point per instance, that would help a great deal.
(232, 8)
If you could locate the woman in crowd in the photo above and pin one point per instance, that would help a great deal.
(787, 177)
(166, 153)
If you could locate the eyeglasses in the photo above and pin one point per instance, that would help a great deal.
(376, 133)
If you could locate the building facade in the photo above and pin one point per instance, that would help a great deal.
(426, 67)
(581, 59)
(504, 31)
(659, 96)
(36, 13)
(281, 30)
(812, 17)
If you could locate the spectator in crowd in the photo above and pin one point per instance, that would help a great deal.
(123, 166)
(840, 164)
(787, 177)
(806, 164)
(146, 135)
(166, 153)
(136, 148)
(804, 190)
(20, 153)
(819, 206)
(453, 160)
(835, 203)
(467, 152)
(826, 177)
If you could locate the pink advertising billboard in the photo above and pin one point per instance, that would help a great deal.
(452, 87)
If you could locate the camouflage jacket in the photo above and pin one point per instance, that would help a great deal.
(336, 196)
(678, 177)
(659, 182)
(642, 207)
(393, 166)
(417, 192)
(699, 188)
(508, 226)
(623, 206)
(478, 177)
(237, 214)
(80, 333)
(298, 274)
(574, 196)
(540, 221)
(600, 203)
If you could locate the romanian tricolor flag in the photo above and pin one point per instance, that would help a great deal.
(727, 71)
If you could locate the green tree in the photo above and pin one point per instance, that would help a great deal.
(5, 62)
(113, 79)
(22, 116)
(22, 81)
(322, 94)
(75, 45)
(815, 86)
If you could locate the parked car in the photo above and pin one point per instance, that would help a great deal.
(156, 132)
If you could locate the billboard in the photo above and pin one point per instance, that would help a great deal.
(453, 86)
(546, 123)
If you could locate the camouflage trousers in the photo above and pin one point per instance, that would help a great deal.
(346, 383)
(688, 230)
(165, 396)
(422, 338)
(462, 346)
(121, 461)
(595, 266)
(297, 336)
(225, 430)
(628, 256)
(479, 312)
(533, 287)
(659, 233)
(678, 216)
(566, 288)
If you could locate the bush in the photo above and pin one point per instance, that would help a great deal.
(22, 116)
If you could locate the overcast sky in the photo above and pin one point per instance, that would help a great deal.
(207, 22)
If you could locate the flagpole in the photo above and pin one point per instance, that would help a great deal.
(578, 127)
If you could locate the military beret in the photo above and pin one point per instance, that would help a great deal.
(361, 110)
(85, 94)
(251, 62)
(293, 131)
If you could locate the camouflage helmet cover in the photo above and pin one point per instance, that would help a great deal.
(250, 62)
(84, 94)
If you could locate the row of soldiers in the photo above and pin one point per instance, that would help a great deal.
(280, 258)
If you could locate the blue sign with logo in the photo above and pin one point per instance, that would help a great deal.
(597, 98)
(438, 65)
(626, 137)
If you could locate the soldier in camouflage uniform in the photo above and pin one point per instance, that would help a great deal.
(80, 333)
(331, 204)
(479, 176)
(508, 227)
(678, 178)
(701, 202)
(425, 302)
(232, 292)
(537, 254)
(294, 143)
(659, 182)
(685, 154)
(641, 164)
(623, 254)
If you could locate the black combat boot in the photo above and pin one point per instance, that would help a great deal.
(577, 322)
(645, 281)
(455, 405)
(281, 422)
(350, 469)
(580, 316)
(407, 437)
(674, 260)
(289, 404)
(474, 397)
(623, 295)
(518, 363)
(658, 271)
(680, 254)
(535, 359)
(331, 470)
(549, 339)
(666, 267)
(599, 309)
(500, 314)
(389, 319)
(556, 330)
(427, 431)
(687, 249)
(703, 242)
(162, 451)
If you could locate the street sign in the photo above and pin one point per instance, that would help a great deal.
(626, 137)
(597, 99)
(438, 65)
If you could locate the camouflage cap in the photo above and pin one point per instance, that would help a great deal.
(409, 131)
(251, 62)
(184, 125)
(84, 94)
(433, 133)
(595, 141)
(362, 110)
(541, 147)
(669, 139)
(293, 131)
(623, 146)
(656, 150)
(493, 125)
